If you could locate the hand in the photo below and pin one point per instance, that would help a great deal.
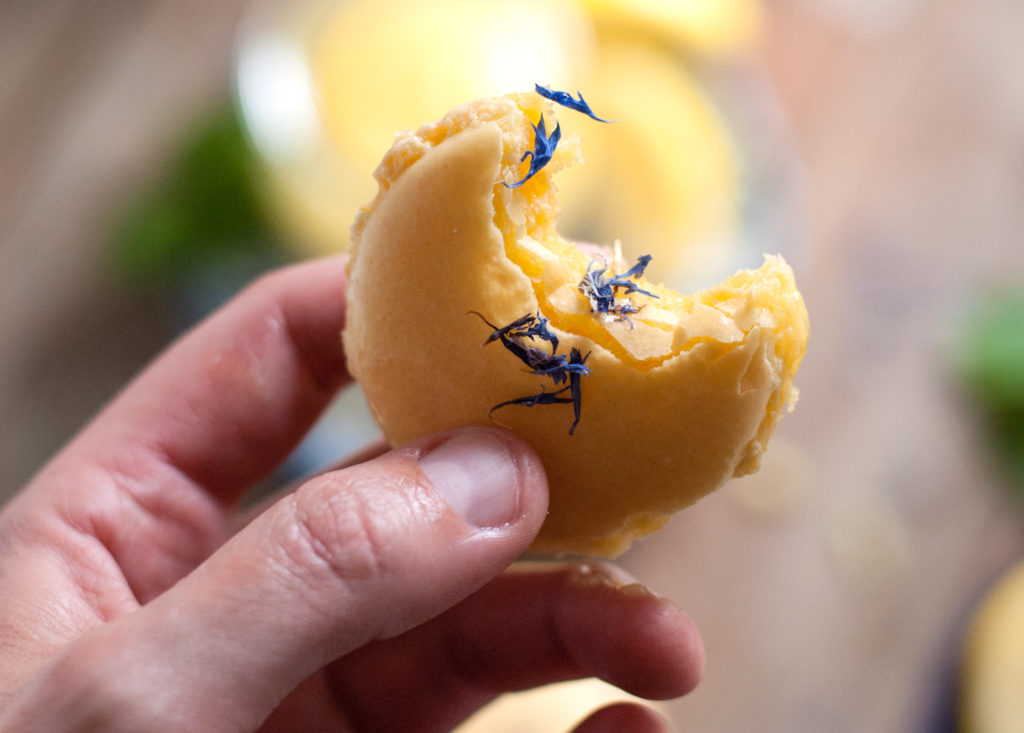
(372, 597)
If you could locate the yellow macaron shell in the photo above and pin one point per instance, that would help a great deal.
(679, 400)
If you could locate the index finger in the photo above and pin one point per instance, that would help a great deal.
(230, 399)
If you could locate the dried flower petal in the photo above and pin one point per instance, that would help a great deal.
(560, 368)
(543, 148)
(602, 291)
(567, 100)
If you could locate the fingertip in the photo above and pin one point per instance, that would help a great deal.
(675, 662)
(682, 651)
(658, 653)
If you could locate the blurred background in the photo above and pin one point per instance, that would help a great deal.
(157, 154)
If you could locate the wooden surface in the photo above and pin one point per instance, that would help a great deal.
(830, 588)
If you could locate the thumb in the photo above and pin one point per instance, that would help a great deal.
(354, 555)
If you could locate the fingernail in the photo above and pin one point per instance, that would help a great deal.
(476, 474)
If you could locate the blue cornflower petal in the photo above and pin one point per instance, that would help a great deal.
(567, 100)
(516, 337)
(543, 148)
(602, 291)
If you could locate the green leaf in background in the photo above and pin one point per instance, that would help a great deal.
(1008, 434)
(991, 362)
(204, 208)
(993, 356)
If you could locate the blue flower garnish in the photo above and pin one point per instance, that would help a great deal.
(543, 148)
(567, 100)
(517, 337)
(529, 326)
(602, 291)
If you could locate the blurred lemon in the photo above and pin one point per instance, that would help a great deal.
(372, 68)
(386, 65)
(664, 177)
(713, 27)
(992, 691)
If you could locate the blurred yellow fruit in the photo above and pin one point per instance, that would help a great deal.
(715, 27)
(383, 66)
(992, 683)
(664, 176)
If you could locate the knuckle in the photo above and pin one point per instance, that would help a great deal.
(333, 533)
(348, 541)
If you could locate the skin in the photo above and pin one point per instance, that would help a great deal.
(134, 596)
